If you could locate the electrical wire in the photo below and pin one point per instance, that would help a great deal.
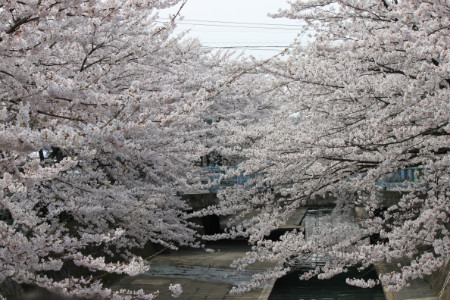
(232, 26)
(251, 48)
(228, 25)
(223, 24)
(247, 47)
(239, 23)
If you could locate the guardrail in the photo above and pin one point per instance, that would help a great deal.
(213, 174)
(401, 178)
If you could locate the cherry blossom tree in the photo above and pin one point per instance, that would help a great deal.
(99, 121)
(102, 115)
(364, 96)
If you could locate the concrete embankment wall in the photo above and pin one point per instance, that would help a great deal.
(439, 282)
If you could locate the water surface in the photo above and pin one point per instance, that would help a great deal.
(292, 288)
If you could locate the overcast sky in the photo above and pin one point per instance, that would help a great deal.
(231, 23)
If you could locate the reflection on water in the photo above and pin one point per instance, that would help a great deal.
(291, 287)
(315, 223)
(316, 220)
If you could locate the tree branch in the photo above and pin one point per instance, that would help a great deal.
(13, 28)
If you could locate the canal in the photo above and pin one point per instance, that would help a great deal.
(209, 276)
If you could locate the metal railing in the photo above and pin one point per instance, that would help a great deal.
(213, 177)
(401, 178)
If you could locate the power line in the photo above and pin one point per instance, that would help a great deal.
(252, 48)
(249, 47)
(240, 26)
(243, 25)
(257, 49)
(240, 23)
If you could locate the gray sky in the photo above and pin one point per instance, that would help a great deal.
(238, 23)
